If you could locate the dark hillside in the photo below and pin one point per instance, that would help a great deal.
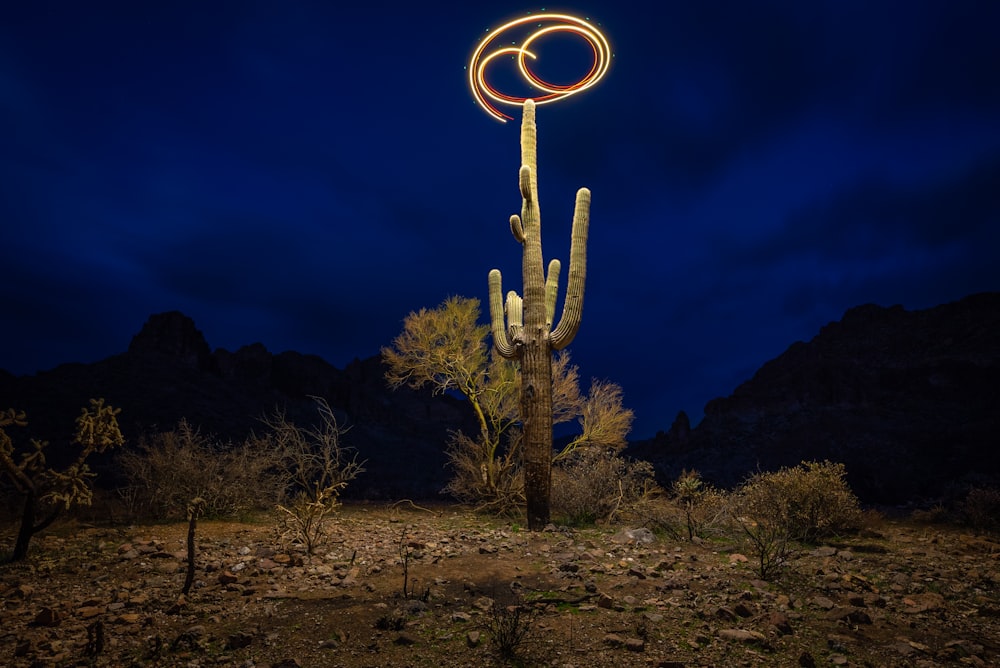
(169, 372)
(908, 400)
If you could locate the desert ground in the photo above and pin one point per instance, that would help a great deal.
(409, 585)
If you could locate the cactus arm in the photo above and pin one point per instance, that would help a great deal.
(551, 291)
(501, 342)
(569, 323)
(516, 228)
(515, 317)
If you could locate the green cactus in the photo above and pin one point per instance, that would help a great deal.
(528, 334)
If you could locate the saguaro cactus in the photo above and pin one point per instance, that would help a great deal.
(528, 334)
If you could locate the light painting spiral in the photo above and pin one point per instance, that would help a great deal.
(488, 97)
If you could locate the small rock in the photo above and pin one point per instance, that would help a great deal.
(47, 617)
(473, 638)
(90, 611)
(642, 536)
(239, 640)
(635, 645)
(22, 647)
(849, 614)
(614, 640)
(918, 603)
(780, 621)
(741, 635)
(726, 614)
(23, 591)
(823, 602)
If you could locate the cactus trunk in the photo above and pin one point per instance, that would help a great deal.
(527, 333)
(536, 420)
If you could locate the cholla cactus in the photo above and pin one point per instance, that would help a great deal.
(45, 488)
(528, 334)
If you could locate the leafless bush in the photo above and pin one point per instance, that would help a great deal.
(596, 484)
(508, 624)
(316, 468)
(170, 468)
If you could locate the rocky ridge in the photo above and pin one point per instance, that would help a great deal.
(907, 400)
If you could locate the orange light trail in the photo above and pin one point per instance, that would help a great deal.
(488, 97)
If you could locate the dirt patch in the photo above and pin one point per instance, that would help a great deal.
(408, 587)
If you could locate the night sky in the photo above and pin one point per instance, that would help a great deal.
(304, 174)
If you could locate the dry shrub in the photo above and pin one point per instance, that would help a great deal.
(509, 625)
(490, 481)
(935, 514)
(595, 483)
(801, 503)
(695, 509)
(809, 501)
(981, 508)
(316, 468)
(170, 468)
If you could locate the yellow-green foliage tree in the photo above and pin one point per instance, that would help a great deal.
(47, 491)
(530, 334)
(446, 349)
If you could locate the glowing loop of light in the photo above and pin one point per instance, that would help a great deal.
(485, 93)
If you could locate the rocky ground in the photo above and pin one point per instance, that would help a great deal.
(404, 586)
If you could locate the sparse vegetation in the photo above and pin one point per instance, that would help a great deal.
(170, 468)
(494, 595)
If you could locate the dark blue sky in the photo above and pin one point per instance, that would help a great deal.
(304, 175)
